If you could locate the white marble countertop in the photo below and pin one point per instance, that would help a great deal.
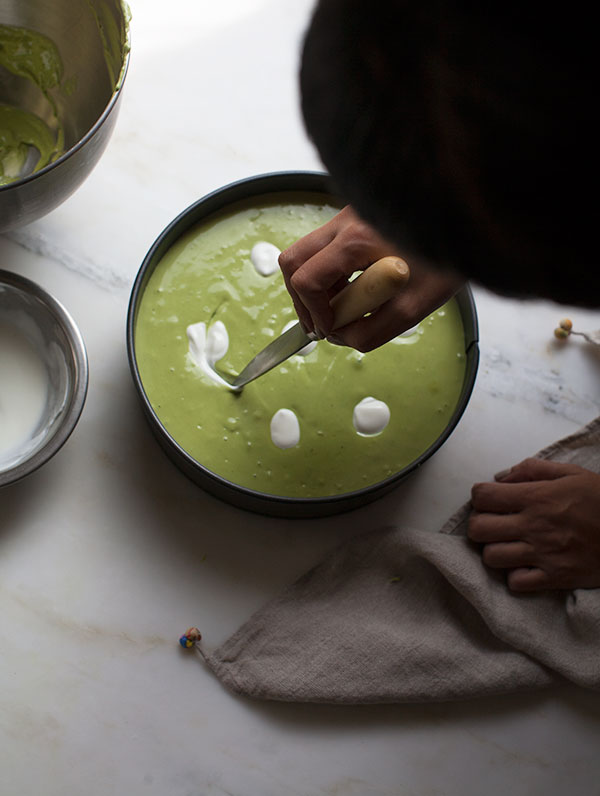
(108, 553)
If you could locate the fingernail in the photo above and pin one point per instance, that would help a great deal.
(502, 474)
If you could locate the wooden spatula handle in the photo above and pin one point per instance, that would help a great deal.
(378, 283)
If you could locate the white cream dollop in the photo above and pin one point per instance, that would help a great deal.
(206, 347)
(307, 348)
(217, 342)
(370, 416)
(285, 429)
(265, 258)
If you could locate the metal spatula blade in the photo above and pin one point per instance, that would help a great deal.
(378, 283)
(285, 346)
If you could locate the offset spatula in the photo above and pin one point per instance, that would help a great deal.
(378, 283)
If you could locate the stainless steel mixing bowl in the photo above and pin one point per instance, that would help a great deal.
(92, 38)
(47, 326)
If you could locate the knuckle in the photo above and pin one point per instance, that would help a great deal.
(488, 556)
(474, 528)
(561, 542)
(287, 259)
(364, 345)
(299, 282)
(537, 531)
(362, 232)
(357, 239)
(360, 337)
(514, 583)
(478, 493)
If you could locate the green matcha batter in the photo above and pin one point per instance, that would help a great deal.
(208, 276)
(31, 55)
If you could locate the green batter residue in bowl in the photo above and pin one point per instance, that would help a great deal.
(207, 275)
(30, 141)
(115, 39)
(31, 55)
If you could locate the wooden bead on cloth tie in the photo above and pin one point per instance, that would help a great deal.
(190, 637)
(565, 330)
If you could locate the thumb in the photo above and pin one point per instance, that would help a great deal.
(533, 469)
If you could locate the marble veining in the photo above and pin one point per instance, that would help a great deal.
(540, 386)
(108, 553)
(101, 273)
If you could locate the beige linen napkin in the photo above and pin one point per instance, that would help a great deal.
(400, 615)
